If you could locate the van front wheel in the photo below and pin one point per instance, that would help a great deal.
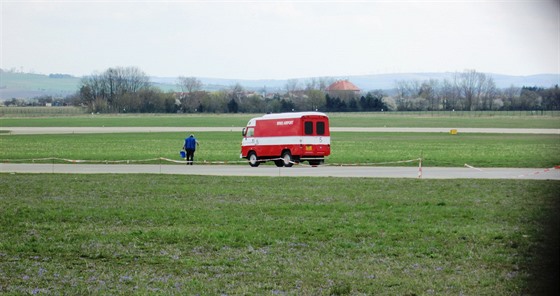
(287, 158)
(253, 160)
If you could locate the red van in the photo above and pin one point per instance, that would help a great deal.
(286, 138)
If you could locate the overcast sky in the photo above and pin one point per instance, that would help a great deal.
(281, 39)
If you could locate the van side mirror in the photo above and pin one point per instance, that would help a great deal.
(244, 132)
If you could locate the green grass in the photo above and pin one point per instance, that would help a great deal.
(240, 120)
(132, 120)
(34, 112)
(441, 149)
(440, 121)
(187, 235)
(160, 234)
(437, 149)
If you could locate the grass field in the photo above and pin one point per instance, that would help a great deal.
(189, 235)
(155, 234)
(436, 149)
(33, 112)
(337, 120)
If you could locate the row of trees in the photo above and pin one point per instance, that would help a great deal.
(129, 90)
(470, 91)
(124, 90)
(237, 99)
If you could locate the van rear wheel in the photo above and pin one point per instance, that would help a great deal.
(253, 160)
(315, 162)
(287, 158)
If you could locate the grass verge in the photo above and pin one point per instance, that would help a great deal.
(437, 149)
(148, 234)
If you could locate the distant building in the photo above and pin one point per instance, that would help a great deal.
(343, 89)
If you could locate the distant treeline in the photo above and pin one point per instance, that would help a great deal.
(59, 76)
(471, 91)
(124, 90)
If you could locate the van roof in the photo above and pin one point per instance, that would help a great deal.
(292, 115)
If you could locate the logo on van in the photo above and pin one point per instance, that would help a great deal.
(287, 122)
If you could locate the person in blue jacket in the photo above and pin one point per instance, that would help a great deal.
(190, 147)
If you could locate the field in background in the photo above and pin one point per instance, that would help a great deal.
(436, 149)
(27, 85)
(156, 234)
(40, 111)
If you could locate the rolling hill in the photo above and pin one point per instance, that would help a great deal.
(27, 85)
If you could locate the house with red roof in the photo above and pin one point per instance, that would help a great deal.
(343, 89)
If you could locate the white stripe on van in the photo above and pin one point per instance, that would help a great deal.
(307, 140)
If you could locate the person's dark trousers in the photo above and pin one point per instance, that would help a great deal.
(190, 156)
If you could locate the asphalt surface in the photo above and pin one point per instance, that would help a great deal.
(296, 171)
(97, 130)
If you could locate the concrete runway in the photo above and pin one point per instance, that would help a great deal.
(296, 171)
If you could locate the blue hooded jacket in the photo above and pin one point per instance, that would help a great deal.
(190, 143)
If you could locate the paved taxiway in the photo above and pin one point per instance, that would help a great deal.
(296, 171)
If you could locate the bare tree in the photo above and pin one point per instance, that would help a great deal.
(91, 91)
(467, 84)
(474, 87)
(291, 87)
(408, 95)
(429, 90)
(449, 93)
(191, 94)
(320, 83)
(324, 82)
(510, 96)
(489, 93)
(121, 81)
(189, 84)
(105, 90)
